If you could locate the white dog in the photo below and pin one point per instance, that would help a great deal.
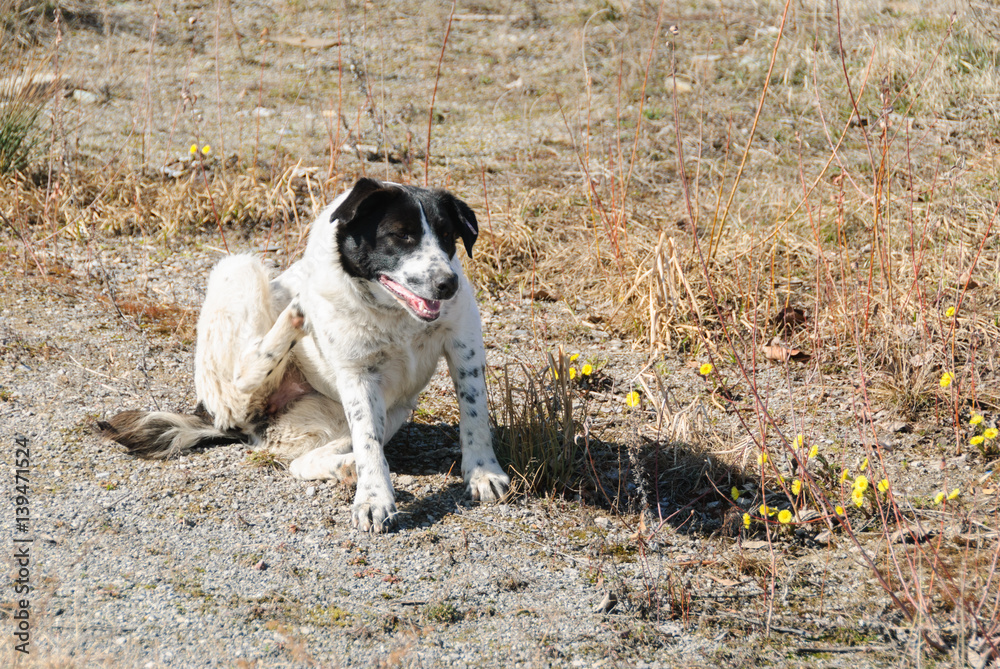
(324, 363)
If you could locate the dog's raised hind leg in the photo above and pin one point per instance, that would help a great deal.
(264, 356)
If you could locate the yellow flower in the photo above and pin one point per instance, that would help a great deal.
(864, 465)
(785, 516)
(976, 440)
(839, 510)
(844, 475)
(861, 483)
(766, 510)
(705, 369)
(746, 520)
(857, 497)
(938, 498)
(946, 379)
(781, 479)
(573, 357)
(555, 373)
(991, 433)
(572, 373)
(632, 399)
(735, 492)
(954, 493)
(796, 487)
(950, 312)
(976, 420)
(587, 369)
(883, 485)
(762, 458)
(799, 440)
(206, 149)
(194, 149)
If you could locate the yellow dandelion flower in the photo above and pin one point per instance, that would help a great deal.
(194, 149)
(950, 312)
(573, 357)
(796, 487)
(785, 516)
(954, 493)
(991, 433)
(861, 483)
(735, 492)
(762, 509)
(762, 458)
(977, 440)
(946, 379)
(587, 369)
(206, 149)
(572, 373)
(746, 521)
(864, 465)
(857, 497)
(798, 441)
(781, 479)
(883, 485)
(976, 420)
(938, 498)
(814, 451)
(705, 369)
(839, 510)
(632, 399)
(844, 475)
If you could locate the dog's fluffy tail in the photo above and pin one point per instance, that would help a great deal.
(159, 434)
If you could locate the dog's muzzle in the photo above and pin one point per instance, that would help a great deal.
(423, 308)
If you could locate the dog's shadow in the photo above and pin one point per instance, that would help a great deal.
(420, 449)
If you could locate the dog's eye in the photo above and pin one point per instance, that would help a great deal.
(403, 236)
(447, 236)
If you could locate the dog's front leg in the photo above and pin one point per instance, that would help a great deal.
(374, 504)
(466, 358)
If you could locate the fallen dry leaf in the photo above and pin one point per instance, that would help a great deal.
(789, 318)
(780, 353)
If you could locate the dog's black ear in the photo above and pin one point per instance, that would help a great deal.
(466, 224)
(349, 207)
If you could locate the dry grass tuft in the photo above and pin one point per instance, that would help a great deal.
(535, 430)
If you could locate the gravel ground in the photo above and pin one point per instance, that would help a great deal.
(210, 560)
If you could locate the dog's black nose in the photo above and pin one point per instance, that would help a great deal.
(446, 286)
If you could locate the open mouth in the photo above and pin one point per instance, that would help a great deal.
(423, 308)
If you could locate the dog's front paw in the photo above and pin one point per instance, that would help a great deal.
(488, 484)
(374, 517)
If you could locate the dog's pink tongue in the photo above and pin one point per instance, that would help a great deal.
(422, 306)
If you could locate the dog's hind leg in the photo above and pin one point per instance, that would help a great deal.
(238, 330)
(265, 356)
(335, 460)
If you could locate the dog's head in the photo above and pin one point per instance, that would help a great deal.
(403, 238)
